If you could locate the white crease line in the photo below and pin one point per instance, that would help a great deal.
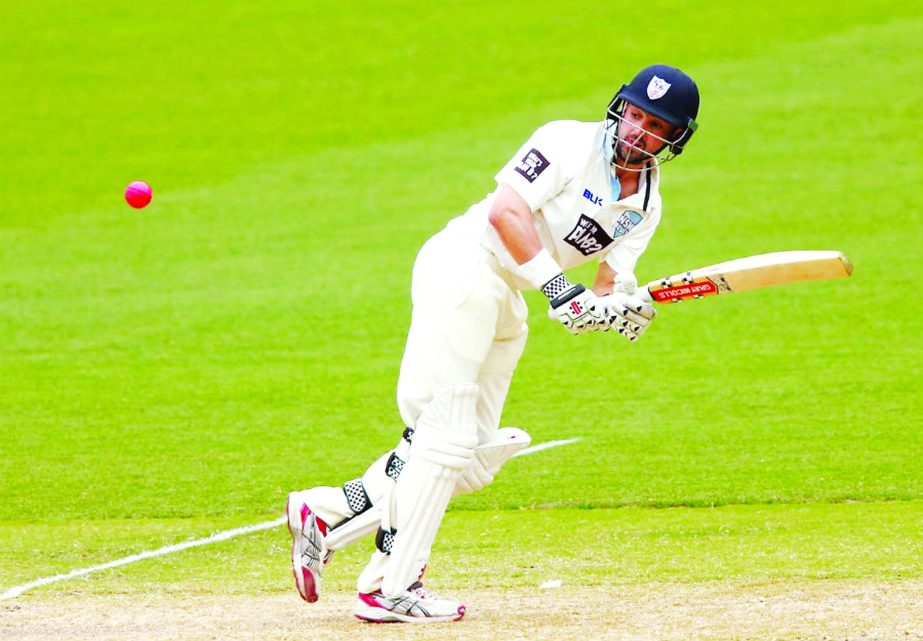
(545, 446)
(14, 592)
(214, 538)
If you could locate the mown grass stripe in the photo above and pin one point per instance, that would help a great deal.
(16, 591)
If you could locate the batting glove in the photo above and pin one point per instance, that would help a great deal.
(579, 309)
(626, 309)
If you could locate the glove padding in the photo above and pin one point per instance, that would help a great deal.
(626, 308)
(580, 310)
(577, 309)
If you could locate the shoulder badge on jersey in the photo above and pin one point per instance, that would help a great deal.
(626, 222)
(532, 165)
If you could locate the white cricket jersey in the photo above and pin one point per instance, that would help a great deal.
(564, 173)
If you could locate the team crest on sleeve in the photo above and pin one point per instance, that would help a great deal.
(626, 222)
(657, 87)
(532, 165)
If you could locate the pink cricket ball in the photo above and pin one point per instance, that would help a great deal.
(138, 194)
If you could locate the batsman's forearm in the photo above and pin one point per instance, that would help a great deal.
(534, 263)
(517, 233)
(604, 281)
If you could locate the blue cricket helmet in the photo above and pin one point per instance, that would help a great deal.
(665, 92)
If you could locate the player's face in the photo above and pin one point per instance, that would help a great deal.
(641, 135)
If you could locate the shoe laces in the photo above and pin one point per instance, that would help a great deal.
(418, 589)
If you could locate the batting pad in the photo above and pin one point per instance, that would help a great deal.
(489, 457)
(443, 446)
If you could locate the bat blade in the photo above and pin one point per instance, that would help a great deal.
(752, 272)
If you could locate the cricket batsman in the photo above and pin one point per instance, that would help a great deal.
(574, 192)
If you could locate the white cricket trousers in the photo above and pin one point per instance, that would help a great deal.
(468, 326)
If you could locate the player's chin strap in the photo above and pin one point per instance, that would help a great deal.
(366, 495)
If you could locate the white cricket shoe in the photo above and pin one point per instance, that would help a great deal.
(416, 605)
(309, 550)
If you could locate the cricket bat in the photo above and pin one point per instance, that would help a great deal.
(752, 272)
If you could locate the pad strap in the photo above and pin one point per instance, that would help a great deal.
(356, 496)
(384, 541)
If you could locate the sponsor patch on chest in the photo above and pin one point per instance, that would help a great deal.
(532, 165)
(587, 236)
(626, 222)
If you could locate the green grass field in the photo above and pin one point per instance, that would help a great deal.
(169, 373)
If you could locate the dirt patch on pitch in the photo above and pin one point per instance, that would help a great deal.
(822, 610)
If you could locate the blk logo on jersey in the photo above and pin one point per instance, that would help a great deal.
(532, 165)
(587, 236)
(596, 200)
(626, 222)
